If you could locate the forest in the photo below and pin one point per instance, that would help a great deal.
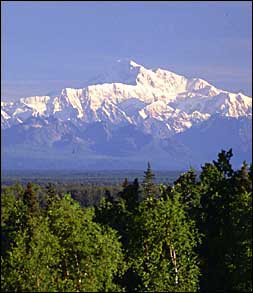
(194, 235)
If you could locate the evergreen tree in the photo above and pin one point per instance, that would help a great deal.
(131, 194)
(189, 189)
(31, 200)
(242, 179)
(108, 196)
(225, 223)
(133, 243)
(238, 259)
(120, 215)
(125, 183)
(148, 183)
(51, 194)
(223, 163)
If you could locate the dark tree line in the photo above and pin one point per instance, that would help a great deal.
(194, 235)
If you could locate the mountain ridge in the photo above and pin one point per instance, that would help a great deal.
(154, 103)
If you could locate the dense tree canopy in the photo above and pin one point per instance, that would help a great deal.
(67, 252)
(194, 235)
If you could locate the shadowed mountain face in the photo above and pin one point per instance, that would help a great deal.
(123, 119)
(208, 138)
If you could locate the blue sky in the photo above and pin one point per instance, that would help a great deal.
(50, 45)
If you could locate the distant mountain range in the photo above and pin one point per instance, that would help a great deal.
(125, 117)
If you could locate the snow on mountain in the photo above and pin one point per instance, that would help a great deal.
(37, 103)
(236, 105)
(159, 110)
(224, 103)
(201, 86)
(4, 119)
(4, 115)
(158, 102)
(111, 113)
(7, 121)
(68, 104)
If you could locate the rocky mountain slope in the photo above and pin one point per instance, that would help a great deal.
(130, 114)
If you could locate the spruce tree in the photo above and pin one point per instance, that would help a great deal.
(223, 164)
(125, 183)
(31, 200)
(226, 225)
(148, 183)
(108, 196)
(131, 195)
(189, 189)
(51, 194)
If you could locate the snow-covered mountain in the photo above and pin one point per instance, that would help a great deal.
(156, 104)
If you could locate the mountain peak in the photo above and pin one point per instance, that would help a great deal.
(134, 64)
(129, 83)
(129, 110)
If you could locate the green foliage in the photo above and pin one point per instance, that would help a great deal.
(13, 215)
(51, 195)
(223, 164)
(87, 194)
(67, 252)
(193, 235)
(149, 187)
(226, 223)
(88, 252)
(119, 214)
(33, 268)
(163, 253)
(190, 192)
(151, 230)
(30, 199)
(130, 195)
